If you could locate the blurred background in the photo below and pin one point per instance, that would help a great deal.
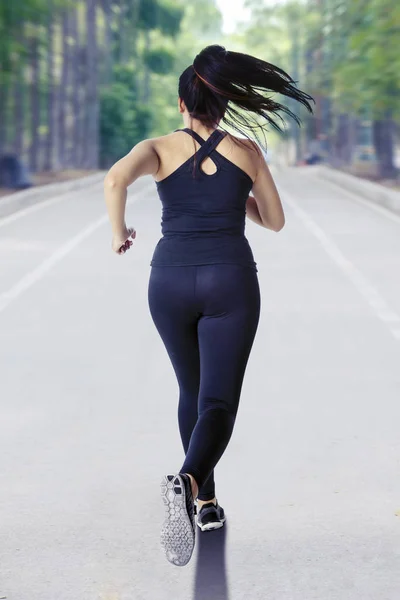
(82, 81)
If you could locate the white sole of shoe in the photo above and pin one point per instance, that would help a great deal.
(177, 535)
(212, 526)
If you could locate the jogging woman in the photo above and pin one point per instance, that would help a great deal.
(203, 290)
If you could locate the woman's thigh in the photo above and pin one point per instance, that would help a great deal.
(226, 331)
(171, 304)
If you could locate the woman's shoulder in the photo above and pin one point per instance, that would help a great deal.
(244, 147)
(245, 142)
(165, 141)
(167, 136)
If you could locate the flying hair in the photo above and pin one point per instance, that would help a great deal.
(236, 88)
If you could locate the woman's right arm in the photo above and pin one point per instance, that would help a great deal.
(265, 207)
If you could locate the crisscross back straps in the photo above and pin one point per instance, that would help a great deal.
(194, 134)
(206, 146)
(210, 143)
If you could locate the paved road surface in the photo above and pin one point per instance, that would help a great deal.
(311, 479)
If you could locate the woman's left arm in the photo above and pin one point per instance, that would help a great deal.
(141, 160)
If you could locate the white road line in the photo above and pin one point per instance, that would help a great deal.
(28, 280)
(40, 205)
(366, 289)
(38, 273)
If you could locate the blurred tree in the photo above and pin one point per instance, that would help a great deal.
(91, 126)
(17, 114)
(62, 95)
(138, 55)
(353, 64)
(74, 87)
(123, 122)
(107, 56)
(72, 70)
(277, 34)
(34, 152)
(9, 25)
(201, 25)
(50, 116)
(370, 76)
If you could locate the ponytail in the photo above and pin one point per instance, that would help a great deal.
(220, 82)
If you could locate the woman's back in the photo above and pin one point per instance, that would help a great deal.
(204, 197)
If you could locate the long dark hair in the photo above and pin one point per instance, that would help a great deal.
(218, 80)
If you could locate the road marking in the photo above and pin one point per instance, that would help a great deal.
(366, 289)
(40, 205)
(28, 280)
(38, 273)
(23, 212)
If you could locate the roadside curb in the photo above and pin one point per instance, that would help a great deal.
(371, 191)
(25, 198)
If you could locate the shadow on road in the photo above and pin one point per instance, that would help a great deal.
(210, 581)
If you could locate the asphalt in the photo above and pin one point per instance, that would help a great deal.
(88, 413)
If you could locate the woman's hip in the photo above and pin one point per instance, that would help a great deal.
(206, 289)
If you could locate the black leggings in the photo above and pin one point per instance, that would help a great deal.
(207, 317)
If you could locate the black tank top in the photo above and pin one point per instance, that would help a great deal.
(203, 216)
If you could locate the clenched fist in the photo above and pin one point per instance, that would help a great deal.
(122, 243)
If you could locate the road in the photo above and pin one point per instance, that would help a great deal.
(311, 479)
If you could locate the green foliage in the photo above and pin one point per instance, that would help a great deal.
(155, 14)
(123, 123)
(18, 17)
(203, 21)
(159, 60)
(125, 75)
(200, 26)
(142, 48)
(370, 74)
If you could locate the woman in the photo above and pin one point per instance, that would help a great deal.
(203, 290)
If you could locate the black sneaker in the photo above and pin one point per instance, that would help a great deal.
(178, 532)
(210, 516)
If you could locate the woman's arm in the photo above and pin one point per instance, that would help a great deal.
(141, 160)
(265, 207)
(252, 211)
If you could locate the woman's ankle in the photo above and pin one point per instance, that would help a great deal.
(195, 488)
(201, 502)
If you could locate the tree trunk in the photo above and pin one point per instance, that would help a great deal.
(34, 150)
(50, 116)
(383, 142)
(62, 93)
(348, 143)
(134, 28)
(342, 140)
(3, 105)
(146, 75)
(81, 133)
(74, 89)
(18, 117)
(17, 113)
(122, 31)
(92, 100)
(107, 50)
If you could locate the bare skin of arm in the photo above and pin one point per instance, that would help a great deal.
(141, 160)
(264, 207)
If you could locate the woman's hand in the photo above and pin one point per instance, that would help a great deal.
(121, 243)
